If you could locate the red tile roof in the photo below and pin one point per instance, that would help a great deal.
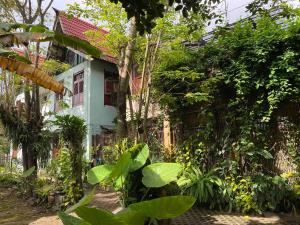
(77, 27)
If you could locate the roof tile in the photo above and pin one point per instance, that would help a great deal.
(77, 27)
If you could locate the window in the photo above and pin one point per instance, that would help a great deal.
(78, 88)
(110, 88)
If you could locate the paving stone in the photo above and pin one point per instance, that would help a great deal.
(197, 216)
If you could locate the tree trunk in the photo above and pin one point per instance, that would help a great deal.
(76, 160)
(122, 129)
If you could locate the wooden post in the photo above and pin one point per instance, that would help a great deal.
(167, 135)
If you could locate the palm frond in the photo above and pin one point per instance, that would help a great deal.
(14, 55)
(30, 72)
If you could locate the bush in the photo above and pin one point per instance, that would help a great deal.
(9, 180)
(256, 194)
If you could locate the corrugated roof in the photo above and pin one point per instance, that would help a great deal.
(74, 26)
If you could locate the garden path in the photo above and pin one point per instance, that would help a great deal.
(15, 211)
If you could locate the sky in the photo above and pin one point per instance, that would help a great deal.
(235, 8)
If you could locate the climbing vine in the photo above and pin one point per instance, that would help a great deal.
(236, 90)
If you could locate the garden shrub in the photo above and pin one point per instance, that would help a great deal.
(246, 194)
(9, 180)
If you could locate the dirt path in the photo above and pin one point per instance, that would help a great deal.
(15, 211)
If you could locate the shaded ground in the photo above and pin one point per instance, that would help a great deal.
(206, 217)
(15, 211)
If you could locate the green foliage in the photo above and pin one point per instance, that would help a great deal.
(131, 175)
(160, 174)
(98, 174)
(205, 187)
(9, 180)
(237, 87)
(54, 67)
(71, 128)
(257, 193)
(40, 33)
(261, 193)
(28, 172)
(135, 214)
(165, 207)
(145, 12)
(83, 202)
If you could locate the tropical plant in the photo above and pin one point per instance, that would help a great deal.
(155, 175)
(135, 214)
(72, 131)
(133, 176)
(205, 187)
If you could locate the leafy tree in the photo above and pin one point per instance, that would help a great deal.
(171, 29)
(146, 12)
(241, 83)
(72, 130)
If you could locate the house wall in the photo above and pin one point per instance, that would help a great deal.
(80, 110)
(100, 114)
(93, 110)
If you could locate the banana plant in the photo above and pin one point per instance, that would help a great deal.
(136, 214)
(154, 176)
(13, 62)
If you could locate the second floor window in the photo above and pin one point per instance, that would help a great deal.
(78, 88)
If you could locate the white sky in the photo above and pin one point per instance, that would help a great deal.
(235, 8)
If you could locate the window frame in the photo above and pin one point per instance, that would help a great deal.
(78, 96)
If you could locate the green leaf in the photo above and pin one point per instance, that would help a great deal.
(83, 202)
(39, 28)
(266, 154)
(98, 174)
(71, 220)
(121, 168)
(131, 217)
(141, 158)
(7, 27)
(77, 44)
(165, 207)
(98, 216)
(14, 55)
(160, 174)
(28, 172)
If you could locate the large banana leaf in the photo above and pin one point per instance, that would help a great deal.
(83, 202)
(28, 71)
(98, 174)
(98, 216)
(165, 207)
(160, 174)
(131, 217)
(142, 154)
(11, 39)
(77, 44)
(122, 167)
(38, 33)
(71, 220)
(8, 27)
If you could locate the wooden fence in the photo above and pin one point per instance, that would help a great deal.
(4, 159)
